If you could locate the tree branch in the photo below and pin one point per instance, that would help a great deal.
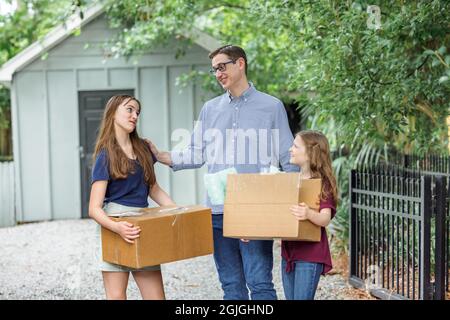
(390, 82)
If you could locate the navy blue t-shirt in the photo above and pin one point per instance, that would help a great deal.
(131, 191)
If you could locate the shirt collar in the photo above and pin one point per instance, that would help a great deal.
(245, 94)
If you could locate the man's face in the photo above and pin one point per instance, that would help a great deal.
(228, 73)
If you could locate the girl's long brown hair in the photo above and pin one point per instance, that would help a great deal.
(318, 151)
(119, 164)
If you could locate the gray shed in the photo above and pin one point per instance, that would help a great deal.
(57, 104)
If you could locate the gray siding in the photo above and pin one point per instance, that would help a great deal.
(200, 96)
(64, 163)
(7, 217)
(181, 115)
(48, 117)
(33, 148)
(154, 119)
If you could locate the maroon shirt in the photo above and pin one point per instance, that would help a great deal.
(318, 252)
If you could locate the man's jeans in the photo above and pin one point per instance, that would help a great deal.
(301, 282)
(241, 264)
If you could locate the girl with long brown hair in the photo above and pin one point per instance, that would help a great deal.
(303, 262)
(122, 180)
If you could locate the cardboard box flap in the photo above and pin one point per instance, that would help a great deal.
(263, 189)
(308, 192)
(157, 212)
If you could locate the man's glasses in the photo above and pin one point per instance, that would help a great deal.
(221, 67)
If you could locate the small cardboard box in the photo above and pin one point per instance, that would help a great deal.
(168, 234)
(257, 206)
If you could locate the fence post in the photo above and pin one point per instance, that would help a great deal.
(353, 226)
(440, 244)
(425, 241)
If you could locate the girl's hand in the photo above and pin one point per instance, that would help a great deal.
(127, 231)
(301, 212)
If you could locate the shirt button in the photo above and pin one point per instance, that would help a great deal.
(234, 124)
(236, 108)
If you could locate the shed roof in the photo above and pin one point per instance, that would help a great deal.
(64, 30)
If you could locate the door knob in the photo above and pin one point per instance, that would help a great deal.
(81, 150)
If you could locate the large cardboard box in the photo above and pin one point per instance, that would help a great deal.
(257, 206)
(167, 234)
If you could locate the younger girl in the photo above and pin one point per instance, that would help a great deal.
(303, 262)
(122, 179)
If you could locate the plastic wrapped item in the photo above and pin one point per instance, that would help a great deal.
(269, 170)
(216, 183)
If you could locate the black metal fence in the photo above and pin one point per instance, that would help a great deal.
(399, 228)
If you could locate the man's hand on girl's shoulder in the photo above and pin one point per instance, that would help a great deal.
(162, 156)
(153, 148)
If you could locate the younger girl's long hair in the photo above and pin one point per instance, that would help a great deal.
(119, 164)
(318, 151)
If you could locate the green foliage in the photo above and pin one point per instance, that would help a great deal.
(4, 107)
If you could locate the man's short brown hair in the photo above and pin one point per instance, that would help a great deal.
(234, 52)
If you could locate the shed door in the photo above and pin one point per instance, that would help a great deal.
(91, 106)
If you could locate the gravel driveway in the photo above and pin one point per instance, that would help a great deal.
(55, 260)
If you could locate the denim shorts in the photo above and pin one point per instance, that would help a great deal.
(111, 208)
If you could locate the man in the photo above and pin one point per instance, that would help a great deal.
(235, 130)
